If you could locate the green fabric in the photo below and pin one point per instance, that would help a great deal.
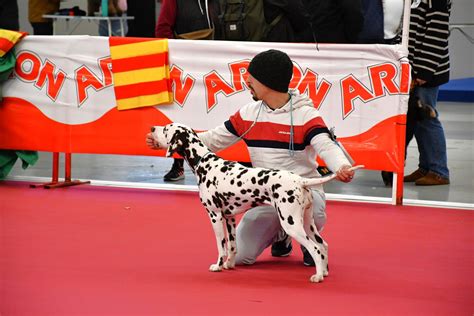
(7, 64)
(9, 157)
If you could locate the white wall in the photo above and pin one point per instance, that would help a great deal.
(461, 49)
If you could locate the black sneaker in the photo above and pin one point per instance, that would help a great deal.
(176, 173)
(387, 178)
(282, 247)
(307, 259)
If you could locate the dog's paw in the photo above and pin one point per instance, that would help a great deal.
(316, 278)
(215, 268)
(229, 264)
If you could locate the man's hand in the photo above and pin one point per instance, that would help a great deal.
(420, 82)
(151, 142)
(344, 174)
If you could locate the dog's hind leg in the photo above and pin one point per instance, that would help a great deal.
(312, 232)
(293, 225)
(219, 230)
(231, 243)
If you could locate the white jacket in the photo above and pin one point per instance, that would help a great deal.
(269, 138)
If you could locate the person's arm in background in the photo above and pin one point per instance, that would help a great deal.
(295, 12)
(166, 20)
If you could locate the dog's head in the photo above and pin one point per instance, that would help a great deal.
(177, 139)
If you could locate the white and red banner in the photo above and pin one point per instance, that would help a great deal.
(61, 96)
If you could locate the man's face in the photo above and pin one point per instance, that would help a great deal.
(257, 89)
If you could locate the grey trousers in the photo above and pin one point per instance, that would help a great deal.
(260, 226)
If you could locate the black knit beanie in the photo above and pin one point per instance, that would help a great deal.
(272, 68)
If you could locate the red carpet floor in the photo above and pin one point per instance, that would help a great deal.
(106, 251)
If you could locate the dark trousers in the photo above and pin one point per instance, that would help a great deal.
(42, 28)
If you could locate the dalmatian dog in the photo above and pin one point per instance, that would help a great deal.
(227, 188)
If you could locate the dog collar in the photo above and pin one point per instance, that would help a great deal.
(200, 159)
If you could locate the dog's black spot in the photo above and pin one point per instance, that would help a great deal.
(276, 186)
(290, 220)
(319, 240)
(253, 180)
(264, 180)
(291, 199)
(242, 173)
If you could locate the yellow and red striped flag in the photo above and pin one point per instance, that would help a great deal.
(141, 73)
(8, 39)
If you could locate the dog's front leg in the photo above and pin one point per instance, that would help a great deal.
(231, 243)
(219, 231)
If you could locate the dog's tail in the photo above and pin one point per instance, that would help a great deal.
(306, 182)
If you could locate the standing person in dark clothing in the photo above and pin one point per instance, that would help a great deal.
(292, 22)
(143, 24)
(9, 15)
(429, 57)
(186, 19)
(262, 20)
(36, 10)
(333, 21)
(183, 18)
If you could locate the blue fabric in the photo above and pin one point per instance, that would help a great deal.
(430, 137)
(115, 26)
(372, 30)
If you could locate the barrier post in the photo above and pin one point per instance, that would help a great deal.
(55, 183)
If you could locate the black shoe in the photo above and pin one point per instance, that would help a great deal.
(307, 259)
(283, 247)
(176, 173)
(387, 178)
